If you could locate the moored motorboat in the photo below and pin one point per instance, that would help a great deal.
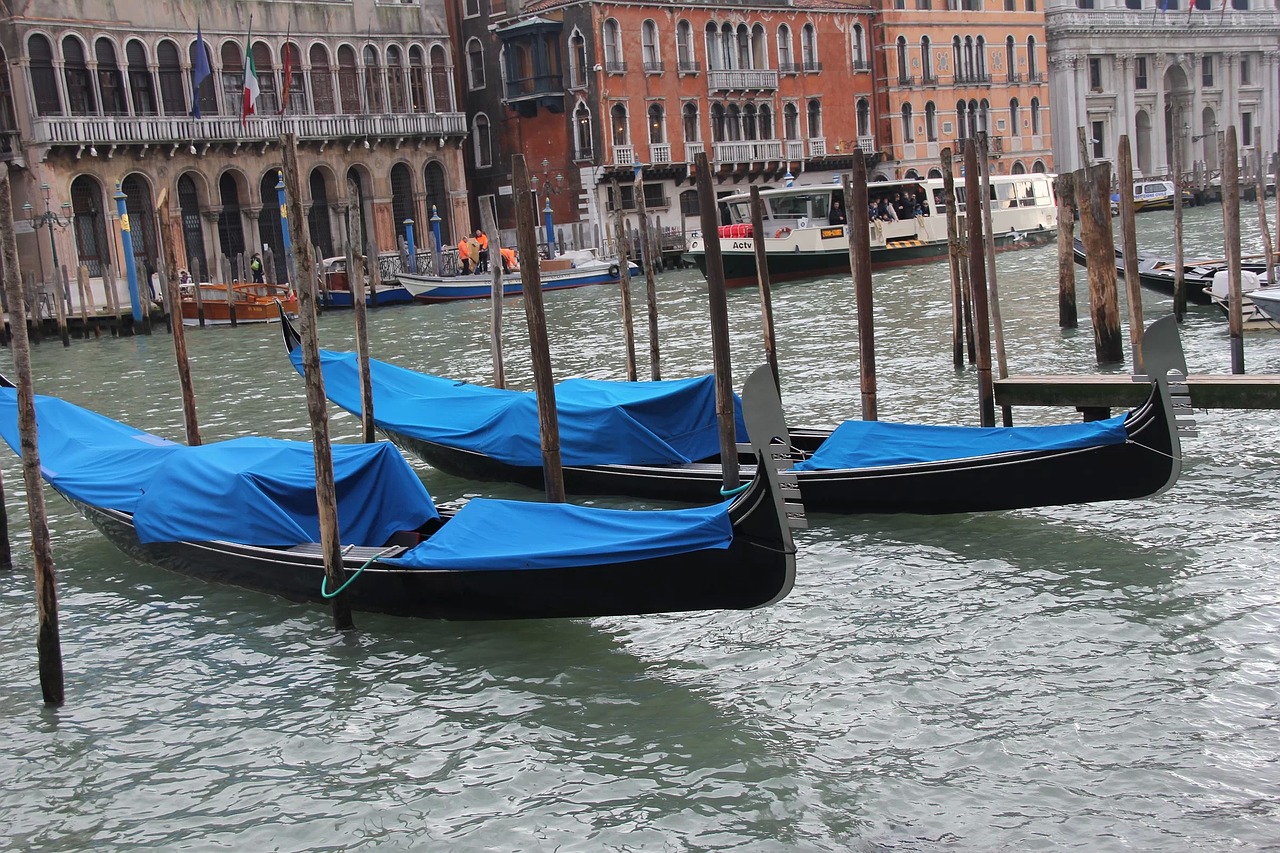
(436, 288)
(1267, 301)
(658, 440)
(801, 240)
(244, 512)
(253, 303)
(1152, 195)
(335, 290)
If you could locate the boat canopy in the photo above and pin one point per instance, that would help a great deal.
(601, 422)
(544, 536)
(252, 491)
(876, 444)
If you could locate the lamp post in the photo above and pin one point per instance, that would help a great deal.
(550, 186)
(51, 220)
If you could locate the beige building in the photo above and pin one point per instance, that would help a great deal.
(96, 94)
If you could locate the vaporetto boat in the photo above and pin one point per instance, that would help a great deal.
(801, 241)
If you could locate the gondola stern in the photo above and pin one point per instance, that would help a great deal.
(1166, 366)
(292, 339)
(771, 443)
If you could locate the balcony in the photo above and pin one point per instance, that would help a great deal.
(788, 68)
(747, 151)
(156, 130)
(812, 67)
(1015, 77)
(861, 66)
(624, 155)
(688, 66)
(929, 79)
(659, 152)
(755, 79)
(653, 66)
(1035, 77)
(867, 144)
(906, 80)
(615, 66)
(1071, 21)
(818, 147)
(794, 149)
(692, 150)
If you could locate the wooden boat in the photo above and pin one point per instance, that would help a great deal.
(1253, 299)
(801, 242)
(436, 288)
(335, 291)
(860, 467)
(1157, 274)
(243, 512)
(254, 303)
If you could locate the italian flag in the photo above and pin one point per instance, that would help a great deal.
(251, 90)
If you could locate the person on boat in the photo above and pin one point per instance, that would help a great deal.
(885, 212)
(464, 256)
(837, 216)
(255, 268)
(482, 258)
(509, 262)
(473, 253)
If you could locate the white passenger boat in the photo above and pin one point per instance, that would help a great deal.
(802, 241)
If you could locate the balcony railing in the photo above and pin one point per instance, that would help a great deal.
(1035, 77)
(653, 66)
(1073, 20)
(812, 67)
(156, 130)
(906, 80)
(861, 66)
(818, 147)
(788, 68)
(689, 66)
(692, 149)
(624, 155)
(747, 151)
(659, 152)
(759, 79)
(1015, 76)
(794, 149)
(867, 144)
(929, 79)
(615, 66)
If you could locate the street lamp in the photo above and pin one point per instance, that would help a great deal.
(550, 187)
(51, 220)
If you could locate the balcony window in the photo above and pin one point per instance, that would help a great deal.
(815, 118)
(232, 78)
(110, 81)
(1032, 73)
(583, 149)
(613, 62)
(475, 64)
(1035, 116)
(791, 122)
(441, 85)
(684, 46)
(689, 120)
(1206, 71)
(1245, 78)
(650, 54)
(207, 93)
(931, 122)
(348, 80)
(269, 97)
(577, 60)
(618, 125)
(481, 142)
(809, 48)
(786, 60)
(904, 75)
(395, 79)
(864, 117)
(1140, 73)
(470, 8)
(75, 71)
(373, 102)
(44, 79)
(926, 60)
(417, 80)
(322, 80)
(142, 90)
(173, 91)
(766, 122)
(1015, 128)
(907, 129)
(1095, 74)
(860, 48)
(657, 125)
(980, 60)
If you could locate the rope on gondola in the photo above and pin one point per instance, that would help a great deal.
(324, 590)
(729, 493)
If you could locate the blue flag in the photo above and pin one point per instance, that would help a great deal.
(199, 71)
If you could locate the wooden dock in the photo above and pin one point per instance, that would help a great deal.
(1119, 391)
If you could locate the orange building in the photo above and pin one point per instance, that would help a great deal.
(949, 69)
(591, 91)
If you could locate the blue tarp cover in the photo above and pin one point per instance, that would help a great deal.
(253, 491)
(495, 534)
(876, 444)
(601, 422)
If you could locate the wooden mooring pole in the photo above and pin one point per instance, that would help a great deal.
(60, 305)
(317, 411)
(169, 280)
(651, 255)
(1093, 192)
(1231, 239)
(993, 289)
(954, 256)
(48, 638)
(708, 212)
(978, 283)
(496, 293)
(1129, 246)
(762, 280)
(1179, 285)
(539, 345)
(1064, 189)
(859, 230)
(1268, 246)
(356, 266)
(624, 284)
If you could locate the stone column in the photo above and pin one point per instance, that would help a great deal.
(1159, 136)
(1080, 74)
(1124, 98)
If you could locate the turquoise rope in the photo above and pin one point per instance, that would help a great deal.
(324, 581)
(733, 492)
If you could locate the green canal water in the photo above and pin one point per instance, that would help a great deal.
(1099, 677)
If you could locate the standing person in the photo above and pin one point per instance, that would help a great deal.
(473, 253)
(836, 216)
(255, 267)
(464, 256)
(482, 259)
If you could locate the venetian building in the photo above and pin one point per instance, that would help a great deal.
(950, 69)
(591, 92)
(1170, 76)
(98, 94)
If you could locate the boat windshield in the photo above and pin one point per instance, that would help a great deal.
(813, 205)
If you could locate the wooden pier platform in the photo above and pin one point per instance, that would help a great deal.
(1119, 391)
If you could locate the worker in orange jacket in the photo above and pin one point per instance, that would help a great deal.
(482, 261)
(464, 257)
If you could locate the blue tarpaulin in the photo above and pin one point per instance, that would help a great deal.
(539, 536)
(253, 491)
(876, 444)
(638, 423)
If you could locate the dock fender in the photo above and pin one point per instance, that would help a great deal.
(614, 271)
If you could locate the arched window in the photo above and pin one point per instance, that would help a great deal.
(437, 196)
(483, 144)
(712, 39)
(926, 60)
(92, 248)
(268, 92)
(192, 228)
(441, 89)
(417, 80)
(968, 59)
(348, 80)
(864, 117)
(1018, 168)
(689, 203)
(294, 89)
(733, 123)
(319, 217)
(402, 206)
(1032, 74)
(470, 8)
(749, 126)
(728, 56)
(980, 59)
(613, 47)
(935, 173)
(395, 79)
(930, 122)
(907, 134)
(232, 78)
(718, 120)
(649, 51)
(743, 38)
(230, 225)
(582, 147)
(809, 48)
(207, 92)
(475, 64)
(173, 92)
(373, 102)
(75, 71)
(759, 47)
(815, 118)
(44, 79)
(1038, 167)
(957, 60)
(1035, 116)
(689, 119)
(618, 124)
(1011, 59)
(791, 121)
(766, 122)
(1015, 129)
(684, 46)
(984, 116)
(657, 125)
(577, 60)
(110, 80)
(142, 90)
(962, 110)
(786, 60)
(860, 49)
(321, 80)
(904, 72)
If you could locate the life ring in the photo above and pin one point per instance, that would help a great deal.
(613, 270)
(784, 231)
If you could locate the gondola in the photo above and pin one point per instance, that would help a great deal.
(860, 467)
(1157, 274)
(244, 512)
